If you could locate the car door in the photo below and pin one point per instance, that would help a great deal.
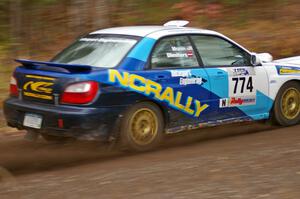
(174, 64)
(238, 89)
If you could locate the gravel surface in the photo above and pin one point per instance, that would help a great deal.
(256, 161)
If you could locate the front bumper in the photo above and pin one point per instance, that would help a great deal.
(79, 122)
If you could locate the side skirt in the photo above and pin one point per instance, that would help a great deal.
(189, 127)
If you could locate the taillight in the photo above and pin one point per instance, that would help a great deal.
(13, 87)
(80, 93)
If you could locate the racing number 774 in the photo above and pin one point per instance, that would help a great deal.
(243, 80)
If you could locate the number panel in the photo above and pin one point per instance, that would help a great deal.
(241, 82)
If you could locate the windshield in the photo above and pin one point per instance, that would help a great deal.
(96, 50)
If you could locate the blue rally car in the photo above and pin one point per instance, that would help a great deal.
(136, 84)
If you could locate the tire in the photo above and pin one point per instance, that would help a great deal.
(56, 139)
(142, 128)
(286, 110)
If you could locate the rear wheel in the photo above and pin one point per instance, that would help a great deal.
(286, 110)
(142, 127)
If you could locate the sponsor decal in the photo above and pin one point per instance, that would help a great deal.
(191, 80)
(186, 77)
(35, 95)
(106, 40)
(237, 101)
(240, 72)
(288, 70)
(181, 52)
(151, 88)
(190, 53)
(177, 55)
(40, 77)
(38, 89)
(224, 103)
(181, 73)
(182, 48)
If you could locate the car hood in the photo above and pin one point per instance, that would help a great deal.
(290, 61)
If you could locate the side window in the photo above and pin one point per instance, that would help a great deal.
(215, 51)
(176, 52)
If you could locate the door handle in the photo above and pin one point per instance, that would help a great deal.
(221, 74)
(161, 78)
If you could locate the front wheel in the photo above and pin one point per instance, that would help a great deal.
(142, 127)
(286, 109)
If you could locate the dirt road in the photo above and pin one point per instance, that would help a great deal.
(256, 161)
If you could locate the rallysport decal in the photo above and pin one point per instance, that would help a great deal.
(288, 70)
(151, 88)
(237, 101)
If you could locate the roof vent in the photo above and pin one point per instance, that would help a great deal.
(177, 23)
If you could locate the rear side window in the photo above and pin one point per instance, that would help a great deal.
(174, 52)
(215, 51)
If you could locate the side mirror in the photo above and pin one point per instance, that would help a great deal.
(258, 59)
(255, 61)
(265, 57)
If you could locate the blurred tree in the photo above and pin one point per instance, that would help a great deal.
(37, 27)
(15, 24)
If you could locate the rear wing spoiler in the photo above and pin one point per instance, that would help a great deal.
(55, 67)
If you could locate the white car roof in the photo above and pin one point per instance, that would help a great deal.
(152, 31)
(156, 32)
